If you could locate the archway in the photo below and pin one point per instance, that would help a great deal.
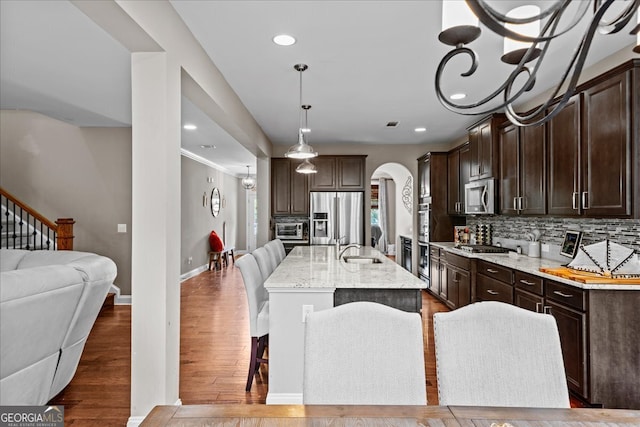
(399, 186)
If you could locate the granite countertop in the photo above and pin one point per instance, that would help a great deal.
(316, 267)
(531, 266)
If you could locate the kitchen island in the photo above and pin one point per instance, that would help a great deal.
(310, 278)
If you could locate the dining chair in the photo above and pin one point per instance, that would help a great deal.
(258, 300)
(266, 262)
(277, 249)
(496, 354)
(364, 353)
(273, 252)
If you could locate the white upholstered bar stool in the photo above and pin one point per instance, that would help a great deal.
(258, 300)
(364, 353)
(276, 248)
(266, 261)
(496, 354)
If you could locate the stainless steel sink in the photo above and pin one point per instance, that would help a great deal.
(361, 259)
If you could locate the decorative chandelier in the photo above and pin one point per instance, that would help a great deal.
(301, 150)
(248, 182)
(518, 27)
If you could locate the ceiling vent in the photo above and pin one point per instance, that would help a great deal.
(392, 124)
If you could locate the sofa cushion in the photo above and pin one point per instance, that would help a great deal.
(10, 258)
(36, 309)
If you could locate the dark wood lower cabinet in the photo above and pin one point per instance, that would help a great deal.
(599, 329)
(528, 300)
(572, 325)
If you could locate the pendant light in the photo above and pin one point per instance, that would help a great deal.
(248, 182)
(301, 150)
(306, 167)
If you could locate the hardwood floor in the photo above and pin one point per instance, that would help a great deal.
(214, 354)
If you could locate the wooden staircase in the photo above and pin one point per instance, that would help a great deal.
(22, 227)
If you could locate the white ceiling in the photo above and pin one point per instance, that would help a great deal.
(370, 62)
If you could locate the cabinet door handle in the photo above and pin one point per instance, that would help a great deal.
(526, 282)
(521, 201)
(574, 200)
(538, 307)
(515, 203)
(562, 294)
(546, 309)
(492, 292)
(585, 200)
(492, 271)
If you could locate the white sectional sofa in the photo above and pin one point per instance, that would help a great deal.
(49, 301)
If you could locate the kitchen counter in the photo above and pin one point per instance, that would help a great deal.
(532, 266)
(316, 267)
(311, 279)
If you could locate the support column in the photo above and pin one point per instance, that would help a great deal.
(155, 318)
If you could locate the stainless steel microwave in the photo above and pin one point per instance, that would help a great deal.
(289, 230)
(480, 197)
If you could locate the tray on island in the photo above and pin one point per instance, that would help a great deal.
(586, 277)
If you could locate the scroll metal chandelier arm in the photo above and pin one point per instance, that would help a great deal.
(496, 22)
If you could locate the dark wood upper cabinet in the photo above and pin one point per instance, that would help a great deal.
(325, 178)
(338, 173)
(289, 189)
(508, 142)
(483, 146)
(593, 150)
(607, 144)
(432, 175)
(563, 137)
(424, 177)
(522, 169)
(350, 173)
(459, 170)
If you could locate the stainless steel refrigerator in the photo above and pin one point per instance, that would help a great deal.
(337, 215)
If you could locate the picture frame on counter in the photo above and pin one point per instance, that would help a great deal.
(571, 243)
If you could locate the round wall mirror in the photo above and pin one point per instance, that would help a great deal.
(215, 202)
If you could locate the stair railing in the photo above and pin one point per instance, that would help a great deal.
(22, 227)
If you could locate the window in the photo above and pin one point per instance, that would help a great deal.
(375, 212)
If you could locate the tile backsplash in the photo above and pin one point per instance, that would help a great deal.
(623, 231)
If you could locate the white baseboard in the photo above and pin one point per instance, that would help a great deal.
(284, 398)
(194, 272)
(126, 299)
(119, 298)
(135, 421)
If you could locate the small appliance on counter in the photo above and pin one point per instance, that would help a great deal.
(483, 249)
(289, 230)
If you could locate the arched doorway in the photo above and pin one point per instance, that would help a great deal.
(392, 182)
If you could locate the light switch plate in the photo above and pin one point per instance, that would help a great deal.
(122, 228)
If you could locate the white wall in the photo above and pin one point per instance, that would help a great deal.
(64, 171)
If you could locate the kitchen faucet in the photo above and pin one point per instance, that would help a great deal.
(352, 245)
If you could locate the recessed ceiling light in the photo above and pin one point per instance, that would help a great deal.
(458, 96)
(208, 146)
(305, 130)
(284, 40)
(420, 129)
(190, 127)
